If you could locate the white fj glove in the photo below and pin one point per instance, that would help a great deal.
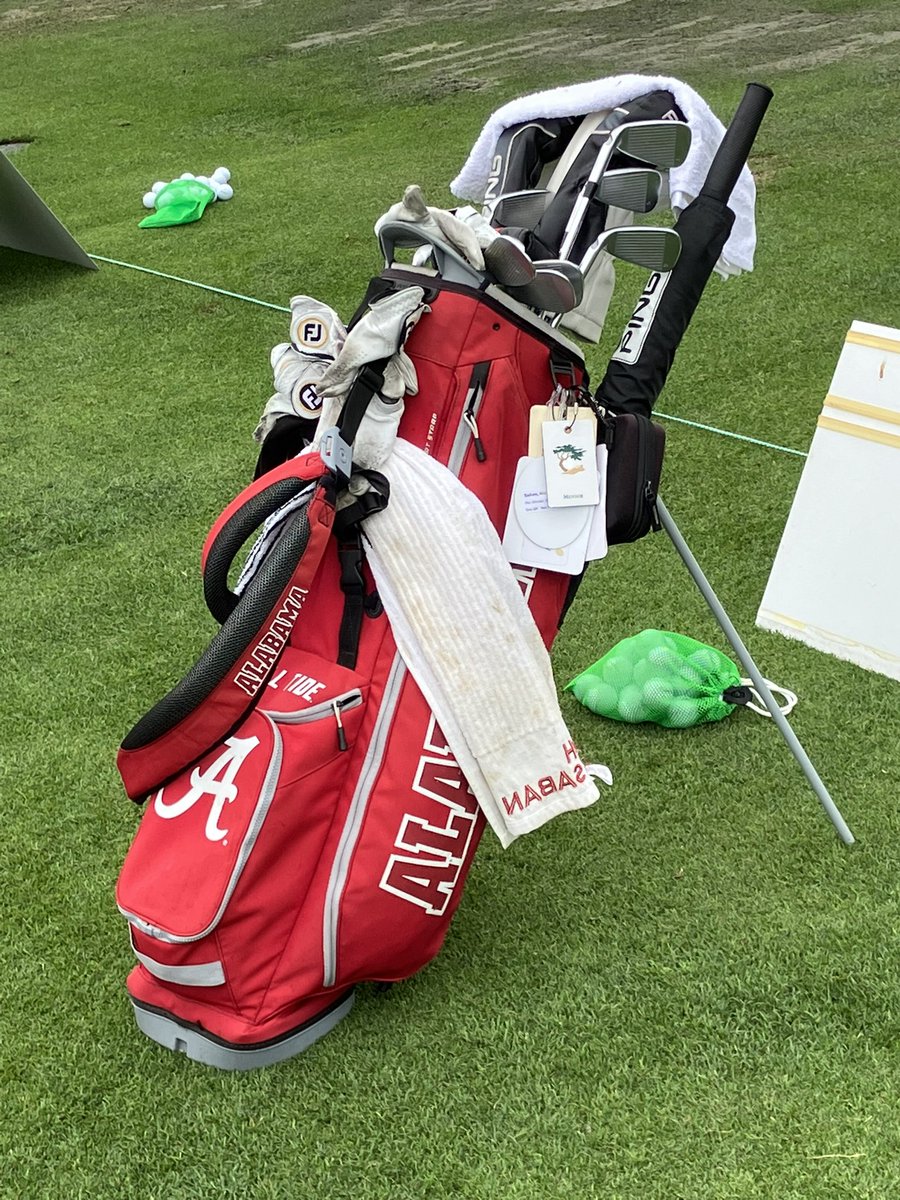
(317, 335)
(437, 223)
(379, 334)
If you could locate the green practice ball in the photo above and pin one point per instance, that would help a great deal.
(690, 674)
(666, 660)
(600, 698)
(631, 704)
(705, 660)
(644, 671)
(682, 713)
(657, 695)
(617, 671)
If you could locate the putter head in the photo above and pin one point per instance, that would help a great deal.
(633, 188)
(649, 246)
(661, 143)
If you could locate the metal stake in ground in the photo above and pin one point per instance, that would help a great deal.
(753, 671)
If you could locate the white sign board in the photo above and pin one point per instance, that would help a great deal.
(26, 223)
(835, 583)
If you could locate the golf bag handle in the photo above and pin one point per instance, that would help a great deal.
(735, 146)
(241, 518)
(451, 265)
(220, 687)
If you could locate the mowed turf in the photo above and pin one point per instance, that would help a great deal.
(688, 992)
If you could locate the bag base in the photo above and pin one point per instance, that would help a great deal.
(204, 1047)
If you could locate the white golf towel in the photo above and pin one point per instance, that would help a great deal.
(464, 631)
(601, 94)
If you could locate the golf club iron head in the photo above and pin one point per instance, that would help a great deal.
(557, 288)
(636, 189)
(507, 263)
(651, 246)
(633, 188)
(522, 209)
(663, 144)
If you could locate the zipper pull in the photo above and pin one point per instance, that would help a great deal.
(479, 445)
(650, 503)
(342, 737)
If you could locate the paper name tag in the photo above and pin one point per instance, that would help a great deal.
(570, 462)
(537, 535)
(545, 412)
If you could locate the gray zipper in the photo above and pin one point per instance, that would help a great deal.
(340, 869)
(464, 433)
(337, 880)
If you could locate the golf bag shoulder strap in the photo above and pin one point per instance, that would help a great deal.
(221, 686)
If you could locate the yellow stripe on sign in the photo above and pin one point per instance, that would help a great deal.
(863, 410)
(873, 341)
(859, 431)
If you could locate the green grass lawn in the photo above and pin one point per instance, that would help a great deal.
(687, 992)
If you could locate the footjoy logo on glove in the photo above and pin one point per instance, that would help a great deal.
(216, 781)
(433, 841)
(252, 673)
(306, 401)
(312, 333)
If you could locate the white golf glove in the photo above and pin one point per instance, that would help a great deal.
(379, 334)
(317, 335)
(437, 223)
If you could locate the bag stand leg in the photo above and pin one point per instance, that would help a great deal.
(753, 671)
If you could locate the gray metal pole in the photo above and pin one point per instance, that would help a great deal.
(753, 671)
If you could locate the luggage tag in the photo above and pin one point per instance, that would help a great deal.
(570, 462)
(550, 412)
(537, 535)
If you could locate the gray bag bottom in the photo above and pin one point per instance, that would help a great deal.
(206, 1048)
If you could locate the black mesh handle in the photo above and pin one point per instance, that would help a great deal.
(220, 599)
(229, 645)
(735, 146)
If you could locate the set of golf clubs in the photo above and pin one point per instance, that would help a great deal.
(553, 287)
(558, 284)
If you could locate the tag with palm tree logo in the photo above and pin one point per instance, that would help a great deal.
(570, 461)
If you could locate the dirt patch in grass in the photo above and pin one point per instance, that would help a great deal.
(476, 49)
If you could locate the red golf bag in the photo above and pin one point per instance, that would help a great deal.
(306, 826)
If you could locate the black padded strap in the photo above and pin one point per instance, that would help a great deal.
(351, 555)
(353, 585)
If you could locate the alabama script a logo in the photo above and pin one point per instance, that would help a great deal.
(217, 782)
(432, 843)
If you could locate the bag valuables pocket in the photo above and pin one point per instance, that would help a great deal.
(634, 466)
(226, 852)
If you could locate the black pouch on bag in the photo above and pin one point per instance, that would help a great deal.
(635, 447)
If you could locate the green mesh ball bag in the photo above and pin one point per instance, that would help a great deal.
(666, 678)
